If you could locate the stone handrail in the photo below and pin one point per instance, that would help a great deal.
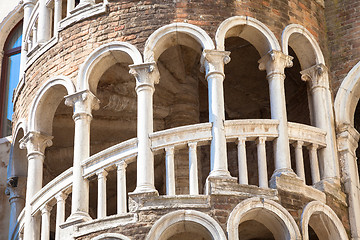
(251, 129)
(307, 134)
(181, 136)
(125, 151)
(46, 195)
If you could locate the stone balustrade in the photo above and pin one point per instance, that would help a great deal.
(166, 142)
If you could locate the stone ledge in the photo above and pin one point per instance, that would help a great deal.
(332, 189)
(150, 202)
(104, 224)
(289, 183)
(229, 186)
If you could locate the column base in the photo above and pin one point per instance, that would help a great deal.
(137, 199)
(144, 189)
(220, 173)
(75, 218)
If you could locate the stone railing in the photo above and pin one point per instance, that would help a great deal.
(166, 142)
(48, 17)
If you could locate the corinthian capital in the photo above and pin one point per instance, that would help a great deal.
(213, 61)
(146, 74)
(315, 75)
(36, 142)
(275, 62)
(83, 102)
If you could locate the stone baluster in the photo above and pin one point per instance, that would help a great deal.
(317, 77)
(262, 165)
(60, 212)
(147, 76)
(57, 14)
(101, 206)
(299, 159)
(275, 63)
(242, 164)
(45, 222)
(193, 169)
(121, 187)
(314, 163)
(170, 171)
(83, 103)
(34, 34)
(35, 143)
(70, 5)
(214, 62)
(44, 24)
(29, 45)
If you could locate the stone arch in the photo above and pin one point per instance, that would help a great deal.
(267, 212)
(185, 216)
(347, 97)
(107, 54)
(106, 236)
(304, 44)
(172, 34)
(328, 226)
(18, 160)
(250, 29)
(46, 101)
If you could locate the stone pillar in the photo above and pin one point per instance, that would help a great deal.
(35, 143)
(317, 77)
(274, 63)
(70, 5)
(348, 139)
(45, 222)
(146, 75)
(16, 191)
(60, 212)
(44, 24)
(214, 62)
(83, 103)
(101, 206)
(121, 187)
(57, 14)
(28, 6)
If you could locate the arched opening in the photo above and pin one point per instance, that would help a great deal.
(257, 218)
(181, 97)
(108, 77)
(246, 90)
(357, 127)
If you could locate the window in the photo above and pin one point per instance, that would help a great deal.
(9, 77)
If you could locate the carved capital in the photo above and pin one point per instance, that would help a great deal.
(315, 75)
(61, 196)
(16, 188)
(28, 3)
(102, 174)
(36, 142)
(83, 103)
(121, 165)
(213, 61)
(274, 62)
(146, 75)
(45, 209)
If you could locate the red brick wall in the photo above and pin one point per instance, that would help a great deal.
(343, 29)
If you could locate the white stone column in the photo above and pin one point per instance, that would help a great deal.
(16, 190)
(45, 222)
(44, 24)
(35, 143)
(70, 5)
(314, 163)
(121, 187)
(275, 63)
(34, 40)
(101, 206)
(147, 76)
(28, 6)
(262, 164)
(242, 164)
(193, 169)
(348, 139)
(83, 103)
(60, 212)
(214, 62)
(317, 77)
(299, 158)
(170, 171)
(57, 14)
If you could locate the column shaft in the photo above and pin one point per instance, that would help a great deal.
(57, 14)
(170, 171)
(121, 188)
(242, 164)
(60, 213)
(299, 158)
(193, 170)
(262, 165)
(101, 207)
(44, 25)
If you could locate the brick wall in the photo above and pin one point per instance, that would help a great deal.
(343, 29)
